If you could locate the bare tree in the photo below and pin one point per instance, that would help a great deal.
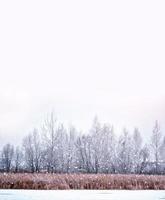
(84, 148)
(32, 149)
(18, 157)
(37, 150)
(7, 157)
(29, 152)
(125, 153)
(59, 150)
(107, 149)
(70, 154)
(50, 142)
(95, 133)
(156, 145)
(137, 146)
(144, 159)
(162, 150)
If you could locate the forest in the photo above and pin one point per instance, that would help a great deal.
(52, 148)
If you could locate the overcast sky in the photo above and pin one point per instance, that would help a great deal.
(81, 58)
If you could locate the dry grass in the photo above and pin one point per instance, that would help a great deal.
(80, 181)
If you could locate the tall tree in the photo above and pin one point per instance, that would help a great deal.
(70, 154)
(125, 153)
(50, 137)
(18, 158)
(32, 151)
(95, 133)
(7, 157)
(144, 159)
(29, 153)
(156, 144)
(108, 149)
(137, 146)
(162, 150)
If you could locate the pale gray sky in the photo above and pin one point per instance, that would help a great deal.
(81, 58)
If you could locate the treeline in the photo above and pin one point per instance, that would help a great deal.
(55, 149)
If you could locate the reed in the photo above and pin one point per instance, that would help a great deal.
(80, 181)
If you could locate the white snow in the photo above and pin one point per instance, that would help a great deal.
(81, 195)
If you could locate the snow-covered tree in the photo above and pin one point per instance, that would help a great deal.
(96, 136)
(125, 153)
(162, 150)
(32, 151)
(156, 145)
(70, 151)
(7, 157)
(57, 149)
(107, 149)
(144, 159)
(137, 146)
(18, 159)
(49, 132)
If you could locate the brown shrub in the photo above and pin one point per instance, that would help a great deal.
(80, 181)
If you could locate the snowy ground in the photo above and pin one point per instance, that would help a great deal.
(81, 195)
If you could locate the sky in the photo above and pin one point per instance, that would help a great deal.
(81, 59)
